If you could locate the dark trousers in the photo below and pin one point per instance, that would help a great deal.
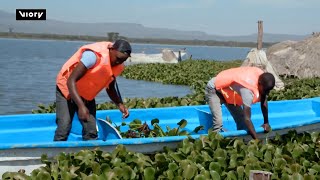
(65, 110)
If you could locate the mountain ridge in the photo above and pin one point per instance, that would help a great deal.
(131, 30)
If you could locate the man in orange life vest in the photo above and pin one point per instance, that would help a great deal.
(92, 68)
(238, 88)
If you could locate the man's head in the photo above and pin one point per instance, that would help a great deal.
(119, 52)
(266, 83)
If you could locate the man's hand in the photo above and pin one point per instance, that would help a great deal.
(247, 121)
(266, 127)
(124, 110)
(83, 113)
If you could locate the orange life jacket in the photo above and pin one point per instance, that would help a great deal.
(245, 76)
(96, 78)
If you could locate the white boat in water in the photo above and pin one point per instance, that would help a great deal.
(166, 56)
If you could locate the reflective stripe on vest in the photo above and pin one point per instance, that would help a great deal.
(246, 76)
(96, 78)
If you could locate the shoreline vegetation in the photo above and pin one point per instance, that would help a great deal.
(18, 35)
(191, 73)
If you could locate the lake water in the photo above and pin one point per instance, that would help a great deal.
(29, 69)
(197, 52)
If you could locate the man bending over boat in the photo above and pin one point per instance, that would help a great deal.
(239, 88)
(92, 68)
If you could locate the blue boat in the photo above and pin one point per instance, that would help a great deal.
(25, 137)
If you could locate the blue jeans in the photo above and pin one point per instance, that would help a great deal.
(65, 110)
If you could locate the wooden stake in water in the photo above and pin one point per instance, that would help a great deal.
(260, 34)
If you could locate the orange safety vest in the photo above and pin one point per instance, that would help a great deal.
(245, 76)
(96, 78)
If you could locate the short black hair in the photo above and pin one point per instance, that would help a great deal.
(267, 80)
(122, 46)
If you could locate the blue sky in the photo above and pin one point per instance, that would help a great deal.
(217, 17)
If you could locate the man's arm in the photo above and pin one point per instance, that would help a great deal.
(76, 74)
(247, 98)
(111, 91)
(248, 122)
(264, 109)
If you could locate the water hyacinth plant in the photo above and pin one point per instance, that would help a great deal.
(195, 74)
(137, 129)
(291, 156)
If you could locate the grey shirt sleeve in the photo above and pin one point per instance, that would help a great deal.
(246, 94)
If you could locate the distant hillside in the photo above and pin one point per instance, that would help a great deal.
(131, 30)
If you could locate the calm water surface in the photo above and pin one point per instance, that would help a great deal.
(29, 69)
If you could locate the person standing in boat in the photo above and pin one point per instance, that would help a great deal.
(239, 88)
(92, 68)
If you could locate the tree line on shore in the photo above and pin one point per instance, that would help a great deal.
(114, 35)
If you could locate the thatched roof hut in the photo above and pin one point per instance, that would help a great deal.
(300, 59)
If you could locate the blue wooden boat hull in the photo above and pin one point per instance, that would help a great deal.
(24, 138)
